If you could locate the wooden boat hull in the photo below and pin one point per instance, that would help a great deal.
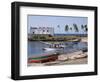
(43, 59)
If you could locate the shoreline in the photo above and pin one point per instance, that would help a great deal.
(69, 62)
(78, 57)
(66, 59)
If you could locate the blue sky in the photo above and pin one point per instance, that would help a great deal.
(54, 21)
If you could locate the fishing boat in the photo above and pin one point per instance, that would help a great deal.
(49, 49)
(55, 46)
(76, 40)
(43, 59)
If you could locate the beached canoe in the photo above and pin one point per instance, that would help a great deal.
(43, 59)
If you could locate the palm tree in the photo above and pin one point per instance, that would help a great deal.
(70, 28)
(66, 27)
(58, 27)
(84, 27)
(76, 27)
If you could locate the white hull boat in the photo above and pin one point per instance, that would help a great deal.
(49, 49)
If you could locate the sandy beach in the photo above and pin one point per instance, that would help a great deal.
(69, 62)
(78, 57)
(66, 59)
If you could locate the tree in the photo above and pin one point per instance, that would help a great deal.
(58, 26)
(86, 29)
(66, 27)
(70, 28)
(35, 37)
(76, 27)
(82, 26)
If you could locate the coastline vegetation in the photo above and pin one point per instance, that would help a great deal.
(45, 37)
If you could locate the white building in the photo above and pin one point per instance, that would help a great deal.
(42, 30)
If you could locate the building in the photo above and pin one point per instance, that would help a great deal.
(42, 30)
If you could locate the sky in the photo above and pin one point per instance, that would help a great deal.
(54, 21)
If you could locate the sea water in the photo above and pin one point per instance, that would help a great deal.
(35, 48)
